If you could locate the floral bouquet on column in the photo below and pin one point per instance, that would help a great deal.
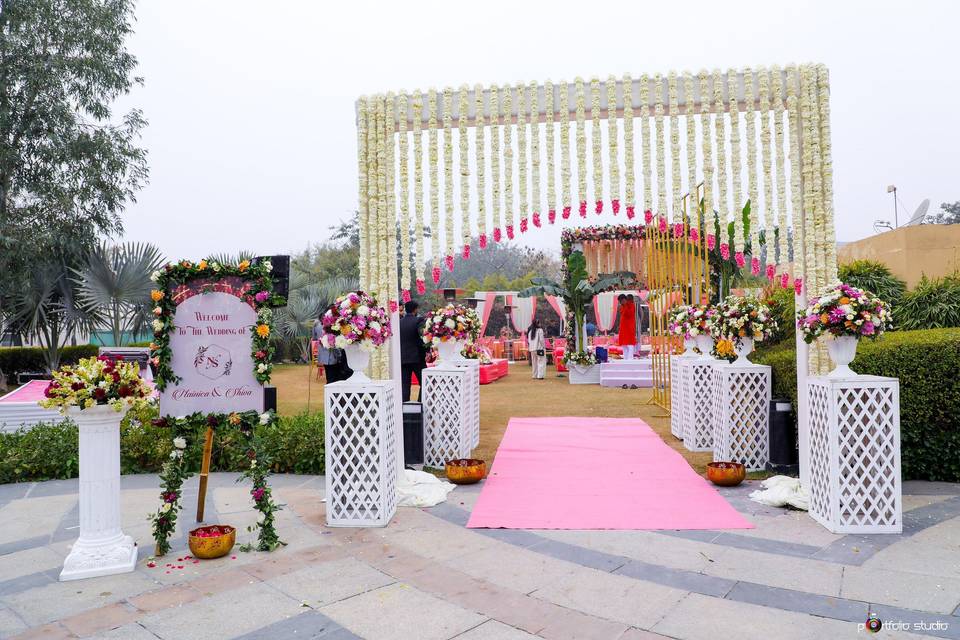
(846, 314)
(96, 381)
(358, 325)
(689, 322)
(449, 328)
(742, 320)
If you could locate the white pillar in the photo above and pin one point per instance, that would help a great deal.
(102, 548)
(395, 375)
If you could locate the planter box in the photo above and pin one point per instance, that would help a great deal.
(447, 418)
(855, 483)
(741, 414)
(584, 375)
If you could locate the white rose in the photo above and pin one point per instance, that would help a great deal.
(216, 267)
(253, 463)
(176, 454)
(341, 342)
(165, 507)
(180, 443)
(155, 275)
(345, 304)
(261, 368)
(157, 325)
(450, 324)
(265, 417)
(267, 265)
(374, 325)
(363, 310)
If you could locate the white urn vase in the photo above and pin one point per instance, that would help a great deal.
(743, 347)
(705, 345)
(448, 352)
(358, 359)
(842, 350)
(688, 348)
(102, 548)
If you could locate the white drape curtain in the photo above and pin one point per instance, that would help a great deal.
(605, 308)
(561, 308)
(523, 312)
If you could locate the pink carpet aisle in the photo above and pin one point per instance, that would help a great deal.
(595, 473)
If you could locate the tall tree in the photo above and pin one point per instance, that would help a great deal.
(949, 214)
(68, 164)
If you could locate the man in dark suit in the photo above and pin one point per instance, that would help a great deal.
(413, 352)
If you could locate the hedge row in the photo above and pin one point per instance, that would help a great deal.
(49, 451)
(14, 360)
(926, 363)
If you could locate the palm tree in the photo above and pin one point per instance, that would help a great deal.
(116, 281)
(46, 308)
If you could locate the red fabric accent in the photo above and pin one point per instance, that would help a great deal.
(628, 323)
(487, 308)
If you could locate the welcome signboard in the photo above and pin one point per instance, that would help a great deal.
(211, 354)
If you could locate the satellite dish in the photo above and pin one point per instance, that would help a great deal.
(920, 213)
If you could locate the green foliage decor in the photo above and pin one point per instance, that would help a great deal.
(932, 304)
(926, 363)
(14, 360)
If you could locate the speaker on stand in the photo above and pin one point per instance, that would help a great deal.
(280, 274)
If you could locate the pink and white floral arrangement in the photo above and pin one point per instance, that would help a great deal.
(689, 321)
(355, 318)
(844, 311)
(739, 317)
(452, 322)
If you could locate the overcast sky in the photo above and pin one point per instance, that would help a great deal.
(252, 139)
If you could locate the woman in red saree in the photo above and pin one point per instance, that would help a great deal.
(628, 325)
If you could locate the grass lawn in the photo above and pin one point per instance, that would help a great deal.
(515, 395)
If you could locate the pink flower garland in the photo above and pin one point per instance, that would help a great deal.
(771, 272)
(421, 287)
(647, 216)
(583, 208)
(523, 225)
(510, 231)
(599, 207)
(755, 266)
(536, 219)
(482, 241)
(497, 235)
(631, 211)
(740, 260)
(436, 275)
(616, 206)
(711, 241)
(552, 216)
(566, 213)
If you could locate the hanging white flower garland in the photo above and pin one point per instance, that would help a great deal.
(533, 102)
(612, 135)
(551, 177)
(495, 130)
(420, 258)
(691, 149)
(628, 161)
(507, 105)
(480, 142)
(723, 204)
(464, 158)
(661, 150)
(597, 144)
(779, 113)
(736, 172)
(524, 159)
(645, 136)
(565, 186)
(581, 148)
(826, 172)
(362, 185)
(763, 77)
(404, 198)
(448, 207)
(674, 105)
(392, 277)
(798, 217)
(751, 122)
(433, 161)
(707, 145)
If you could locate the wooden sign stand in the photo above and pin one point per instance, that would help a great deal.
(204, 473)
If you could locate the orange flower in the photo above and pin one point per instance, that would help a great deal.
(263, 330)
(824, 318)
(156, 295)
(844, 300)
(185, 263)
(202, 265)
(153, 346)
(234, 418)
(243, 266)
(742, 333)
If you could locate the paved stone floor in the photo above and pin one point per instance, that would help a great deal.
(426, 576)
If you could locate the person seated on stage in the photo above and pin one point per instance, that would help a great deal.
(628, 325)
(413, 351)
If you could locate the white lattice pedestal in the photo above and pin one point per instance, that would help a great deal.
(102, 548)
(447, 430)
(855, 454)
(677, 396)
(696, 378)
(361, 453)
(472, 367)
(741, 414)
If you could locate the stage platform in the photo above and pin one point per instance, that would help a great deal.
(617, 373)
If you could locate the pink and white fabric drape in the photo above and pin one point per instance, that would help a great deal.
(484, 307)
(523, 312)
(560, 307)
(605, 310)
